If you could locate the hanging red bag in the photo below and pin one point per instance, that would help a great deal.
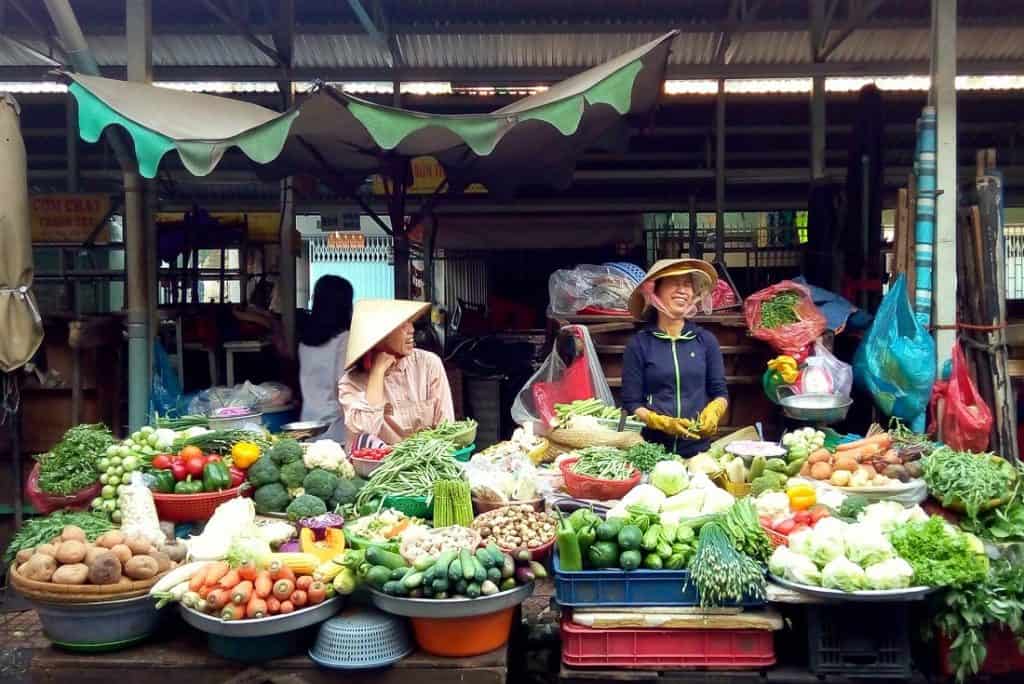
(48, 503)
(793, 338)
(959, 416)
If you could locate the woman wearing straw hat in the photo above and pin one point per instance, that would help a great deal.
(391, 390)
(673, 377)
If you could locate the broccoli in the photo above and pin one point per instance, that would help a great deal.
(320, 483)
(263, 472)
(285, 451)
(292, 474)
(306, 506)
(271, 498)
(344, 493)
(852, 507)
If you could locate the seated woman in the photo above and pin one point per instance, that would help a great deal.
(391, 390)
(673, 376)
(322, 353)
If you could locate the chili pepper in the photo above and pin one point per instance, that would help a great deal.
(568, 546)
(188, 486)
(179, 470)
(216, 477)
(163, 481)
(237, 476)
(586, 537)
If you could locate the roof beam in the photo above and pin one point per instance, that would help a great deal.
(742, 14)
(858, 13)
(376, 30)
(241, 26)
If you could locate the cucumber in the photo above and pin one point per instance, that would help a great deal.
(413, 580)
(445, 559)
(494, 575)
(479, 572)
(473, 590)
(395, 589)
(439, 586)
(508, 567)
(378, 576)
(496, 553)
(429, 574)
(399, 573)
(508, 583)
(460, 587)
(485, 559)
(468, 568)
(423, 563)
(455, 571)
(378, 556)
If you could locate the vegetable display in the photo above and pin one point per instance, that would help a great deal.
(604, 463)
(512, 527)
(411, 469)
(71, 465)
(962, 478)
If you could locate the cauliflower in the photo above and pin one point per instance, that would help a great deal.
(774, 505)
(328, 455)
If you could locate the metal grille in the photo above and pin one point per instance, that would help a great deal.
(1015, 261)
(371, 270)
(465, 279)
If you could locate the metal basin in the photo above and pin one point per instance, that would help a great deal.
(102, 625)
(304, 429)
(821, 409)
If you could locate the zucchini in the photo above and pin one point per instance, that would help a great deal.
(395, 588)
(445, 559)
(413, 580)
(429, 574)
(468, 568)
(378, 556)
(439, 586)
(496, 553)
(424, 562)
(479, 572)
(378, 576)
(455, 571)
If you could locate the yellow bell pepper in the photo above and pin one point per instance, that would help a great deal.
(244, 454)
(801, 497)
(786, 367)
(333, 544)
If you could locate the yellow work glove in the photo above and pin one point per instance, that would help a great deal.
(710, 416)
(677, 427)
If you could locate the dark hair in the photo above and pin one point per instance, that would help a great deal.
(332, 310)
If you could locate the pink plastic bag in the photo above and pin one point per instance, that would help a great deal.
(48, 503)
(792, 339)
(962, 419)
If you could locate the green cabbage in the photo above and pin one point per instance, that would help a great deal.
(670, 477)
(842, 573)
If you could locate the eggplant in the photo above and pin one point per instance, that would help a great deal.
(524, 575)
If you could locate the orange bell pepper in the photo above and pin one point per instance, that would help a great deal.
(801, 497)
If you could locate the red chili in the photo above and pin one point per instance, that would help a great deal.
(237, 476)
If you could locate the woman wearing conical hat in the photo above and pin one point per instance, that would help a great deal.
(391, 390)
(673, 377)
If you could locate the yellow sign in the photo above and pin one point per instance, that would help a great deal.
(68, 217)
(263, 225)
(346, 241)
(427, 176)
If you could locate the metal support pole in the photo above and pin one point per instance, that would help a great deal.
(720, 173)
(696, 246)
(286, 280)
(71, 143)
(818, 128)
(943, 96)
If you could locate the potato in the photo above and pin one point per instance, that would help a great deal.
(39, 567)
(176, 551)
(71, 552)
(897, 472)
(75, 573)
(141, 567)
(846, 463)
(73, 533)
(913, 468)
(47, 550)
(123, 552)
(138, 545)
(821, 471)
(23, 556)
(105, 569)
(92, 553)
(163, 561)
(840, 478)
(819, 456)
(110, 539)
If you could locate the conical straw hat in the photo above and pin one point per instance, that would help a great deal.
(704, 279)
(375, 319)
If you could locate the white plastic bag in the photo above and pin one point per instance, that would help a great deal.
(138, 512)
(588, 285)
(838, 373)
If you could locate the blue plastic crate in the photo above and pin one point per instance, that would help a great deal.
(590, 588)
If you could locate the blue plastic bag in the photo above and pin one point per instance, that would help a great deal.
(896, 360)
(165, 391)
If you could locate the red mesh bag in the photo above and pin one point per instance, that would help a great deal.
(48, 503)
(792, 339)
(959, 415)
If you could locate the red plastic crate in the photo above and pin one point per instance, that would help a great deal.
(667, 649)
(1003, 656)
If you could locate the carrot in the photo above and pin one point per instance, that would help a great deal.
(286, 607)
(216, 572)
(263, 584)
(859, 454)
(299, 598)
(397, 529)
(229, 580)
(882, 441)
(199, 578)
(232, 612)
(242, 593)
(303, 582)
(204, 591)
(247, 570)
(256, 607)
(217, 599)
(279, 571)
(283, 589)
(273, 606)
(317, 593)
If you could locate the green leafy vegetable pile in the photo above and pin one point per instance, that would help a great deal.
(780, 310)
(967, 479)
(941, 555)
(71, 465)
(646, 455)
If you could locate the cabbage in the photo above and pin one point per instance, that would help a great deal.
(894, 573)
(780, 559)
(886, 515)
(687, 503)
(669, 477)
(716, 501)
(648, 496)
(842, 573)
(826, 543)
(803, 571)
(866, 545)
(800, 542)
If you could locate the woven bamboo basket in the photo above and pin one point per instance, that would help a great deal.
(80, 593)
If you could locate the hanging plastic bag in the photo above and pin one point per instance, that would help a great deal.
(786, 336)
(959, 416)
(48, 503)
(589, 287)
(824, 373)
(165, 390)
(571, 371)
(896, 360)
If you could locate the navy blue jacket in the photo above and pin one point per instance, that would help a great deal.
(679, 387)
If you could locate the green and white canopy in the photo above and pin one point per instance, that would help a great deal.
(535, 140)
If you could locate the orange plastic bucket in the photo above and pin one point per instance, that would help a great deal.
(460, 637)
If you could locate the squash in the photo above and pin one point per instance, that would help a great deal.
(333, 544)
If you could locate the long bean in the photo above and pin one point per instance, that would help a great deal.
(411, 469)
(779, 310)
(605, 463)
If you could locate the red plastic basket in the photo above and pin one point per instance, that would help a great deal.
(661, 649)
(1003, 656)
(776, 538)
(583, 487)
(193, 507)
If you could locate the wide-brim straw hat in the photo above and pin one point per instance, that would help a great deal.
(375, 319)
(704, 279)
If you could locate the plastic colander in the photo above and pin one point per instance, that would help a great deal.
(361, 639)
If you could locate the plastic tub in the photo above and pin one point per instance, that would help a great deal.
(261, 648)
(465, 453)
(192, 507)
(660, 649)
(364, 467)
(99, 626)
(466, 636)
(236, 422)
(274, 418)
(583, 487)
(593, 588)
(539, 553)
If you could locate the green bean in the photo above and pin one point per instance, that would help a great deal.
(605, 463)
(411, 469)
(780, 310)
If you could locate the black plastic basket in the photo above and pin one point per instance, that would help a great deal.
(860, 640)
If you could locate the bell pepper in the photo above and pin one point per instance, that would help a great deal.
(586, 538)
(787, 368)
(568, 546)
(237, 476)
(216, 477)
(244, 454)
(332, 545)
(163, 481)
(801, 497)
(188, 486)
(179, 470)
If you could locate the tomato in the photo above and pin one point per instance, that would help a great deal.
(195, 465)
(212, 458)
(817, 513)
(162, 462)
(190, 452)
(766, 521)
(785, 526)
(799, 528)
(802, 518)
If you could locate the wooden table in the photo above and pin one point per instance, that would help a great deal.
(179, 654)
